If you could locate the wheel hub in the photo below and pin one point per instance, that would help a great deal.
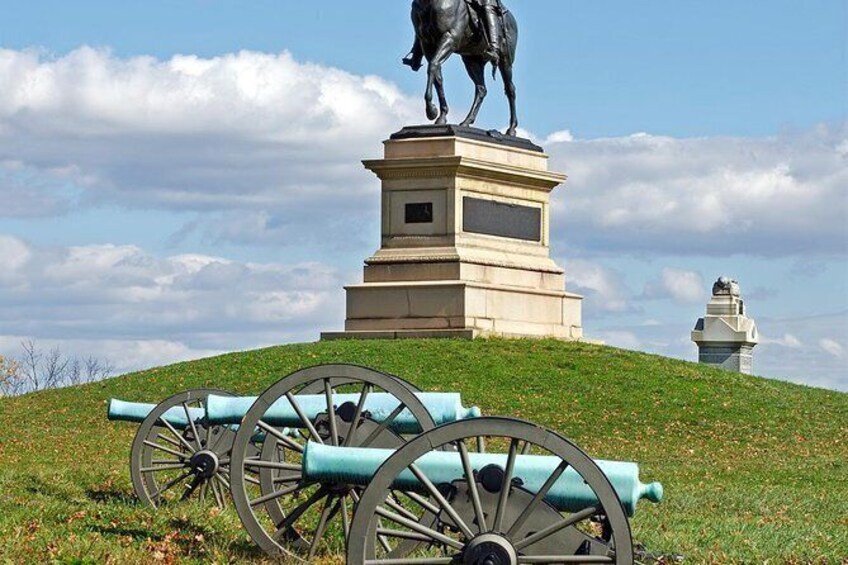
(204, 464)
(489, 549)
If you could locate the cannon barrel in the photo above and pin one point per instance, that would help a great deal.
(443, 406)
(121, 411)
(357, 466)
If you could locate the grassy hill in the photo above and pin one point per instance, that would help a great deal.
(754, 470)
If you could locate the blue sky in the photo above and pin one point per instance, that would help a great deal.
(182, 178)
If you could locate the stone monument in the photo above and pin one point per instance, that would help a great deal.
(465, 242)
(726, 337)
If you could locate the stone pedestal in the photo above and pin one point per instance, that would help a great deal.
(726, 337)
(465, 242)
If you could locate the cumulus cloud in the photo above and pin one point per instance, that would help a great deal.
(788, 341)
(248, 131)
(603, 288)
(682, 286)
(134, 305)
(831, 346)
(770, 196)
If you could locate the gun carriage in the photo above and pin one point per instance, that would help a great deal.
(341, 458)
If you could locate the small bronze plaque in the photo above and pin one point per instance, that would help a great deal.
(419, 213)
(501, 219)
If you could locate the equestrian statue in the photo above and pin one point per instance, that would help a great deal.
(481, 32)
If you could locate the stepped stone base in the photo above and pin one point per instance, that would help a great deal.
(465, 243)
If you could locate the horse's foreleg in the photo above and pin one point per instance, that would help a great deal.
(509, 88)
(476, 68)
(434, 78)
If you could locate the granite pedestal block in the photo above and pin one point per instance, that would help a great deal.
(465, 242)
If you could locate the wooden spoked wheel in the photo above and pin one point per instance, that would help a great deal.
(489, 513)
(283, 512)
(176, 455)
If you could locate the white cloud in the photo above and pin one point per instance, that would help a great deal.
(603, 288)
(621, 339)
(788, 341)
(246, 133)
(682, 286)
(831, 346)
(129, 304)
(771, 196)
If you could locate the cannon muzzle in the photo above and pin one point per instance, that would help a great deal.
(119, 410)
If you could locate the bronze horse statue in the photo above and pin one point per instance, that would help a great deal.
(445, 27)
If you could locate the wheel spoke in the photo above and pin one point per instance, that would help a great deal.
(415, 561)
(207, 429)
(566, 559)
(422, 502)
(224, 482)
(442, 501)
(366, 390)
(397, 507)
(382, 539)
(331, 413)
(554, 528)
(322, 522)
(159, 468)
(345, 517)
(193, 427)
(472, 487)
(222, 431)
(537, 499)
(303, 418)
(289, 442)
(158, 494)
(153, 445)
(421, 529)
(403, 534)
(177, 435)
(167, 462)
(506, 486)
(293, 517)
(216, 491)
(259, 463)
(195, 482)
(173, 442)
(276, 494)
(384, 425)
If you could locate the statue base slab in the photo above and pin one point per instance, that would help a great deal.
(465, 243)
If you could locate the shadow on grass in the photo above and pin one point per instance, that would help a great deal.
(111, 496)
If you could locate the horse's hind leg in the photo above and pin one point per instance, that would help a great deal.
(434, 78)
(476, 68)
(443, 101)
(509, 88)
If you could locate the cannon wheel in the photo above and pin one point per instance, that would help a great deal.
(491, 518)
(169, 463)
(283, 513)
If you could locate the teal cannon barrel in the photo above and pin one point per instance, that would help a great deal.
(356, 466)
(121, 411)
(443, 406)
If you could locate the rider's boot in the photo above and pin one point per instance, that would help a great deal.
(415, 58)
(493, 53)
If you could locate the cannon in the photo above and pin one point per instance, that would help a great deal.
(539, 500)
(341, 458)
(329, 453)
(183, 444)
(444, 407)
(177, 453)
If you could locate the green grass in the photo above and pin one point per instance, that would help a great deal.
(755, 470)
